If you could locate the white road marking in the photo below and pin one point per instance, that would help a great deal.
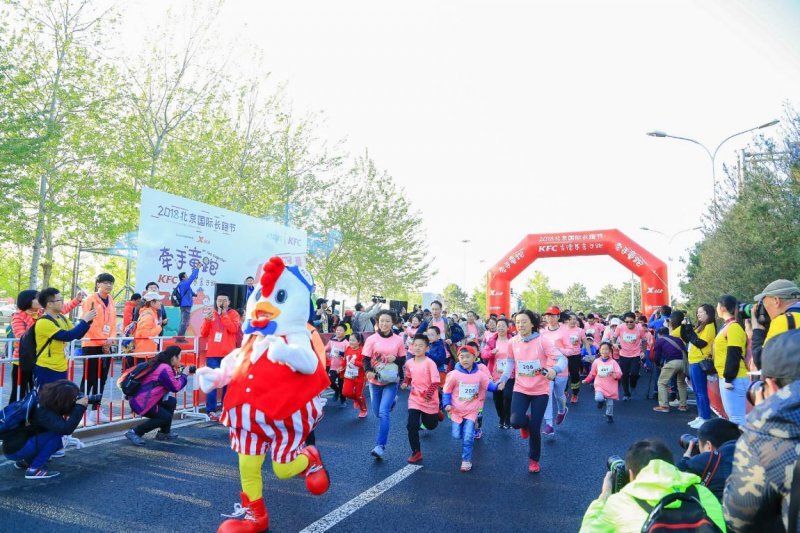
(345, 510)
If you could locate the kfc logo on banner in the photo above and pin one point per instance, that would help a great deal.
(548, 248)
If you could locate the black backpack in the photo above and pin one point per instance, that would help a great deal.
(131, 382)
(689, 517)
(175, 297)
(18, 414)
(28, 354)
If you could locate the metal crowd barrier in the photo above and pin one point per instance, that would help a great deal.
(117, 408)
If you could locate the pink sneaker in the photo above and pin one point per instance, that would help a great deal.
(548, 430)
(561, 416)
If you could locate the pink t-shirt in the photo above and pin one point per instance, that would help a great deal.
(468, 392)
(378, 348)
(472, 333)
(595, 331)
(630, 340)
(336, 350)
(410, 332)
(422, 374)
(529, 357)
(560, 338)
(576, 338)
(439, 324)
(606, 375)
(501, 360)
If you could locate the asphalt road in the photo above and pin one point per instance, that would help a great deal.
(185, 485)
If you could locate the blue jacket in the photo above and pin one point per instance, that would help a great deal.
(438, 353)
(185, 289)
(699, 465)
(657, 323)
(447, 398)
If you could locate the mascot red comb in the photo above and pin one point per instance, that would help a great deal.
(274, 381)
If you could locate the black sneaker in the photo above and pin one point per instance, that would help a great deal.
(609, 419)
(21, 465)
(40, 473)
(601, 404)
(166, 436)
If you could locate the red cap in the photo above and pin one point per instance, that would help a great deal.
(553, 310)
(349, 312)
(470, 349)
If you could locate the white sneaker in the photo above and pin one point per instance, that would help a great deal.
(89, 420)
(697, 422)
(58, 454)
(674, 403)
(103, 416)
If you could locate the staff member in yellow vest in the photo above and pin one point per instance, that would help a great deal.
(104, 326)
(781, 300)
(53, 333)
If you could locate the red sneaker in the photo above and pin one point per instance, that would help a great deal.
(362, 413)
(415, 457)
(574, 399)
(525, 432)
(533, 466)
(250, 517)
(317, 480)
(212, 416)
(440, 415)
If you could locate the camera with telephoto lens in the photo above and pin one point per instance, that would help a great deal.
(377, 298)
(334, 303)
(192, 369)
(619, 474)
(686, 440)
(757, 309)
(753, 391)
(93, 399)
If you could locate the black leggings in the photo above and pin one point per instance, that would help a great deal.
(23, 379)
(574, 365)
(337, 380)
(414, 418)
(519, 418)
(630, 373)
(159, 416)
(502, 402)
(90, 384)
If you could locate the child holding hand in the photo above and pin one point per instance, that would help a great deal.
(354, 376)
(464, 393)
(608, 374)
(422, 377)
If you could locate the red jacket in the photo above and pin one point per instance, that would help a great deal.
(227, 325)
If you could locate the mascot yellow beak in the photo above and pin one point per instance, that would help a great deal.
(263, 313)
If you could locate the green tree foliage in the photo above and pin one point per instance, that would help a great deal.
(756, 238)
(576, 298)
(537, 295)
(455, 299)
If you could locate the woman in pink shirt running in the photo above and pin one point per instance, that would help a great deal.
(497, 358)
(631, 340)
(532, 354)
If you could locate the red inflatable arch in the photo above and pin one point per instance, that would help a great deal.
(611, 242)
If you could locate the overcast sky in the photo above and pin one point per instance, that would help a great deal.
(506, 118)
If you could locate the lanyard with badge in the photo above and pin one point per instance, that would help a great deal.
(218, 332)
(106, 314)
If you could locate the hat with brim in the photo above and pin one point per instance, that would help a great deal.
(152, 296)
(782, 288)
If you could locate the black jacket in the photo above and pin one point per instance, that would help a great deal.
(42, 421)
(697, 465)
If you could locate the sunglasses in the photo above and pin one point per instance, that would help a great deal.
(630, 322)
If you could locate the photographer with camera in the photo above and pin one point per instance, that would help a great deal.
(362, 318)
(710, 455)
(31, 446)
(164, 374)
(323, 319)
(220, 327)
(633, 489)
(766, 470)
(780, 302)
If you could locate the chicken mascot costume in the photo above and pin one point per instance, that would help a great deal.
(273, 400)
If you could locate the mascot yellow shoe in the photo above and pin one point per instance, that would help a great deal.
(273, 400)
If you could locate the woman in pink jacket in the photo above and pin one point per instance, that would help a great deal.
(495, 354)
(607, 373)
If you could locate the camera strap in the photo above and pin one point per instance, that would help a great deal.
(708, 472)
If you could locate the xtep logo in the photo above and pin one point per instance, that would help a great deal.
(653, 290)
(493, 292)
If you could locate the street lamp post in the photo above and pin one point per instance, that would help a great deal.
(712, 155)
(669, 239)
(465, 242)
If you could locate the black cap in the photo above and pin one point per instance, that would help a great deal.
(321, 301)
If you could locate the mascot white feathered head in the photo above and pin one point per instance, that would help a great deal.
(281, 302)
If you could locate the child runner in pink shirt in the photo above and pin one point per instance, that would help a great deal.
(606, 386)
(335, 350)
(464, 393)
(497, 356)
(422, 377)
